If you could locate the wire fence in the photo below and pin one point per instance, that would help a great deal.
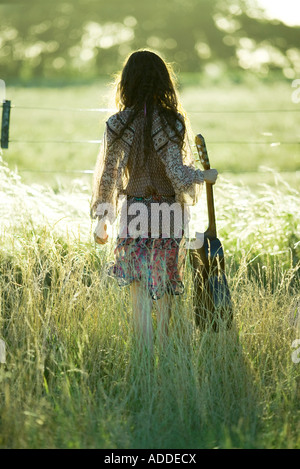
(5, 140)
(206, 111)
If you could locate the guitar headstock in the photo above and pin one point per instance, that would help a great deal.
(202, 151)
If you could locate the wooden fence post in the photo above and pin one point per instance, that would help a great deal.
(5, 123)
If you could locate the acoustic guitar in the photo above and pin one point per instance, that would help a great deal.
(211, 298)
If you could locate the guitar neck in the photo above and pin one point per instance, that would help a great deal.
(212, 228)
(202, 151)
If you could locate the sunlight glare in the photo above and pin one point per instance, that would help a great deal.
(287, 11)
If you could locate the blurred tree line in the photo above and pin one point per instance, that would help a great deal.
(88, 38)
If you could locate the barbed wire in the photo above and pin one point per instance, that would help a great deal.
(110, 110)
(204, 111)
(53, 141)
(91, 171)
(224, 142)
(57, 171)
(64, 109)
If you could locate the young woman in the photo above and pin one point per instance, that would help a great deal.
(146, 157)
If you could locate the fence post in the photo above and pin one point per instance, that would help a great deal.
(5, 123)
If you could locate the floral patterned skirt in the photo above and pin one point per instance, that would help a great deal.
(158, 261)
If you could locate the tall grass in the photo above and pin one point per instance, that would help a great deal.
(73, 376)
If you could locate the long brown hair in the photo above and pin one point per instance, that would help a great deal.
(147, 82)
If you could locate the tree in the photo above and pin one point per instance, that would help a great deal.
(92, 37)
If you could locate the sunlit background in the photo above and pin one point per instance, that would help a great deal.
(287, 11)
(237, 64)
(91, 37)
(74, 378)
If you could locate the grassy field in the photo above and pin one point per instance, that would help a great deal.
(73, 377)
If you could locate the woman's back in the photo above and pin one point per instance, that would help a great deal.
(149, 178)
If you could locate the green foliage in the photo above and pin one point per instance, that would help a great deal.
(92, 37)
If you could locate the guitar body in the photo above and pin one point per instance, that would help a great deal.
(212, 299)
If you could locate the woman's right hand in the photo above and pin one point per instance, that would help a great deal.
(100, 240)
(100, 233)
(210, 175)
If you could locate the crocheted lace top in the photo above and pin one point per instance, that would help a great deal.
(169, 170)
